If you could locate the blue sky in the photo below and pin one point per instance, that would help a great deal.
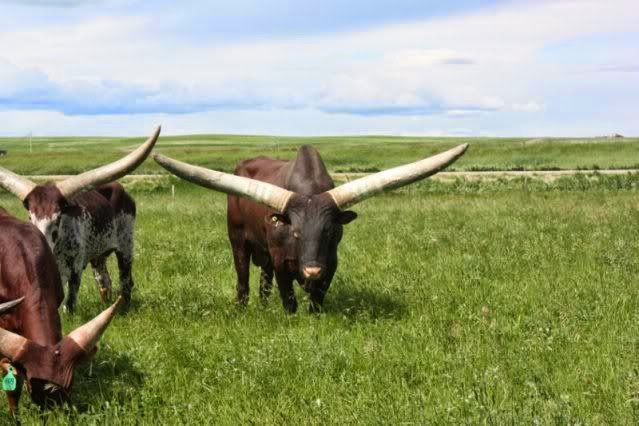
(470, 67)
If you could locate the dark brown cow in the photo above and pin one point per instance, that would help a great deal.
(86, 226)
(289, 218)
(30, 333)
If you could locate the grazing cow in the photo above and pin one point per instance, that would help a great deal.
(288, 216)
(30, 333)
(83, 227)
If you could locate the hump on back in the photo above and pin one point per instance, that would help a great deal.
(308, 174)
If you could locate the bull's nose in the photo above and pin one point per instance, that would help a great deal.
(312, 272)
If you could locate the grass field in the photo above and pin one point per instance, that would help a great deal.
(341, 154)
(460, 302)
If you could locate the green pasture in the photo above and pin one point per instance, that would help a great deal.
(498, 302)
(341, 154)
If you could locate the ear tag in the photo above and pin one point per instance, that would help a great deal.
(9, 381)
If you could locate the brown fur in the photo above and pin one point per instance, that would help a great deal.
(282, 245)
(29, 269)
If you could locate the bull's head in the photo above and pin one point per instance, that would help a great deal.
(48, 202)
(48, 370)
(311, 225)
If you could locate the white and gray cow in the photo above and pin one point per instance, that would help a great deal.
(85, 226)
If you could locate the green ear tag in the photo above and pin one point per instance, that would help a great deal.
(9, 381)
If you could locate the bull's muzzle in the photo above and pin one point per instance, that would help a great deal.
(312, 272)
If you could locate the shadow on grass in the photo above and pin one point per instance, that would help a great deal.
(110, 376)
(362, 304)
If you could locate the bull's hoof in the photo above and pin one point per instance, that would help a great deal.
(105, 295)
(290, 307)
(126, 304)
(242, 300)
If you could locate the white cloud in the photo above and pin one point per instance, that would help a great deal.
(459, 67)
(530, 106)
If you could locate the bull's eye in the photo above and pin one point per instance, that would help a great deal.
(296, 234)
(274, 219)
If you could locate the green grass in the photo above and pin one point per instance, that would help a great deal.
(461, 302)
(341, 154)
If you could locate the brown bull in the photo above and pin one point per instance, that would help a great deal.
(287, 216)
(85, 226)
(30, 333)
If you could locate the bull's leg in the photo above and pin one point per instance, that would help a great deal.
(317, 297)
(319, 290)
(74, 287)
(285, 286)
(266, 282)
(124, 254)
(65, 272)
(102, 278)
(242, 257)
(125, 265)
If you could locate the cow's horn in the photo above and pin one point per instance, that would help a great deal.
(87, 335)
(16, 184)
(73, 185)
(11, 343)
(264, 193)
(357, 190)
(6, 306)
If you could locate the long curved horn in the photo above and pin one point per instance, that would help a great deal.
(6, 306)
(11, 344)
(16, 184)
(357, 190)
(87, 335)
(73, 185)
(264, 193)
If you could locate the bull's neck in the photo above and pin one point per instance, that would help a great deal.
(42, 324)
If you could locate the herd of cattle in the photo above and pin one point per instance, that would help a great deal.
(285, 216)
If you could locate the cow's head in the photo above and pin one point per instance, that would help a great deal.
(311, 226)
(48, 370)
(48, 203)
(308, 230)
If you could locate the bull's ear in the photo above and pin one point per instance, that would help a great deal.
(346, 217)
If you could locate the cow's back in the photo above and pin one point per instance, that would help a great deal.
(119, 200)
(28, 268)
(265, 169)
